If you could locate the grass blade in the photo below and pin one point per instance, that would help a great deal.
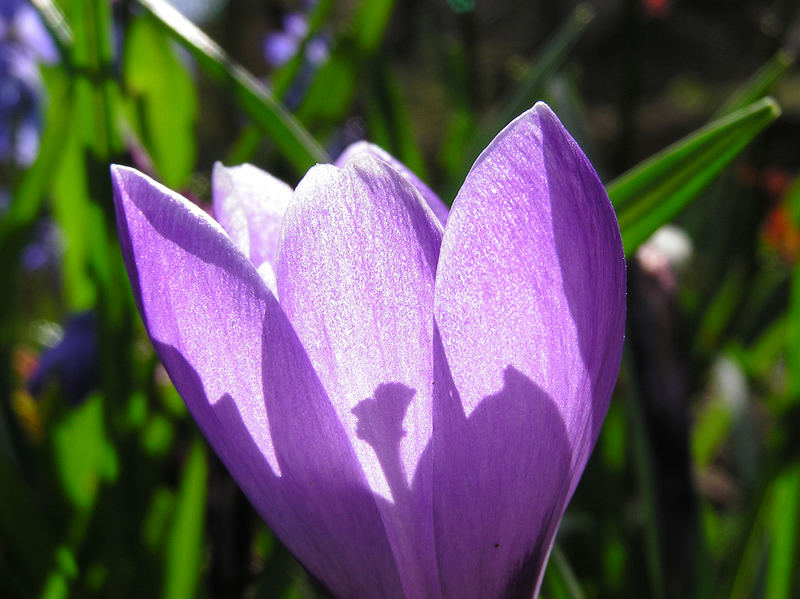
(654, 192)
(793, 317)
(162, 99)
(759, 84)
(559, 579)
(530, 89)
(96, 91)
(290, 137)
(53, 18)
(185, 544)
(543, 69)
(645, 475)
(785, 532)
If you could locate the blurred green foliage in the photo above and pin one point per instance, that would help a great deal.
(694, 489)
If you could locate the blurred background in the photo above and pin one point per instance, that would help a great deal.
(107, 488)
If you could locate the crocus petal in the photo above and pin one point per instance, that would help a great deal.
(529, 306)
(249, 204)
(236, 361)
(355, 275)
(363, 147)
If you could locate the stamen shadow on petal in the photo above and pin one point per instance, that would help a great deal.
(501, 481)
(380, 424)
(335, 511)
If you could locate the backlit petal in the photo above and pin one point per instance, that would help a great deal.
(355, 276)
(237, 363)
(530, 306)
(363, 147)
(249, 204)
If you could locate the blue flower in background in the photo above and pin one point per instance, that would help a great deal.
(72, 362)
(281, 46)
(24, 43)
(45, 248)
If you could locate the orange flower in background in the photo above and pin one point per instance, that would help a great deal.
(781, 234)
(656, 9)
(780, 231)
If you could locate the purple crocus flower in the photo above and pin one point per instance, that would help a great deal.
(408, 404)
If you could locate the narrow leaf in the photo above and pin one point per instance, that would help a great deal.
(334, 86)
(759, 85)
(370, 24)
(185, 544)
(83, 455)
(559, 579)
(165, 99)
(283, 129)
(531, 88)
(96, 90)
(388, 116)
(782, 570)
(53, 18)
(29, 193)
(71, 207)
(793, 318)
(280, 81)
(752, 553)
(544, 67)
(654, 192)
(642, 452)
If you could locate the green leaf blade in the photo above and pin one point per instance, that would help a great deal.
(283, 129)
(165, 94)
(782, 571)
(184, 549)
(654, 192)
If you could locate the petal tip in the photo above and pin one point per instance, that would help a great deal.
(364, 161)
(541, 108)
(318, 176)
(119, 172)
(122, 175)
(121, 179)
(358, 147)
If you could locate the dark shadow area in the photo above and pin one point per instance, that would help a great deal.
(659, 354)
(230, 526)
